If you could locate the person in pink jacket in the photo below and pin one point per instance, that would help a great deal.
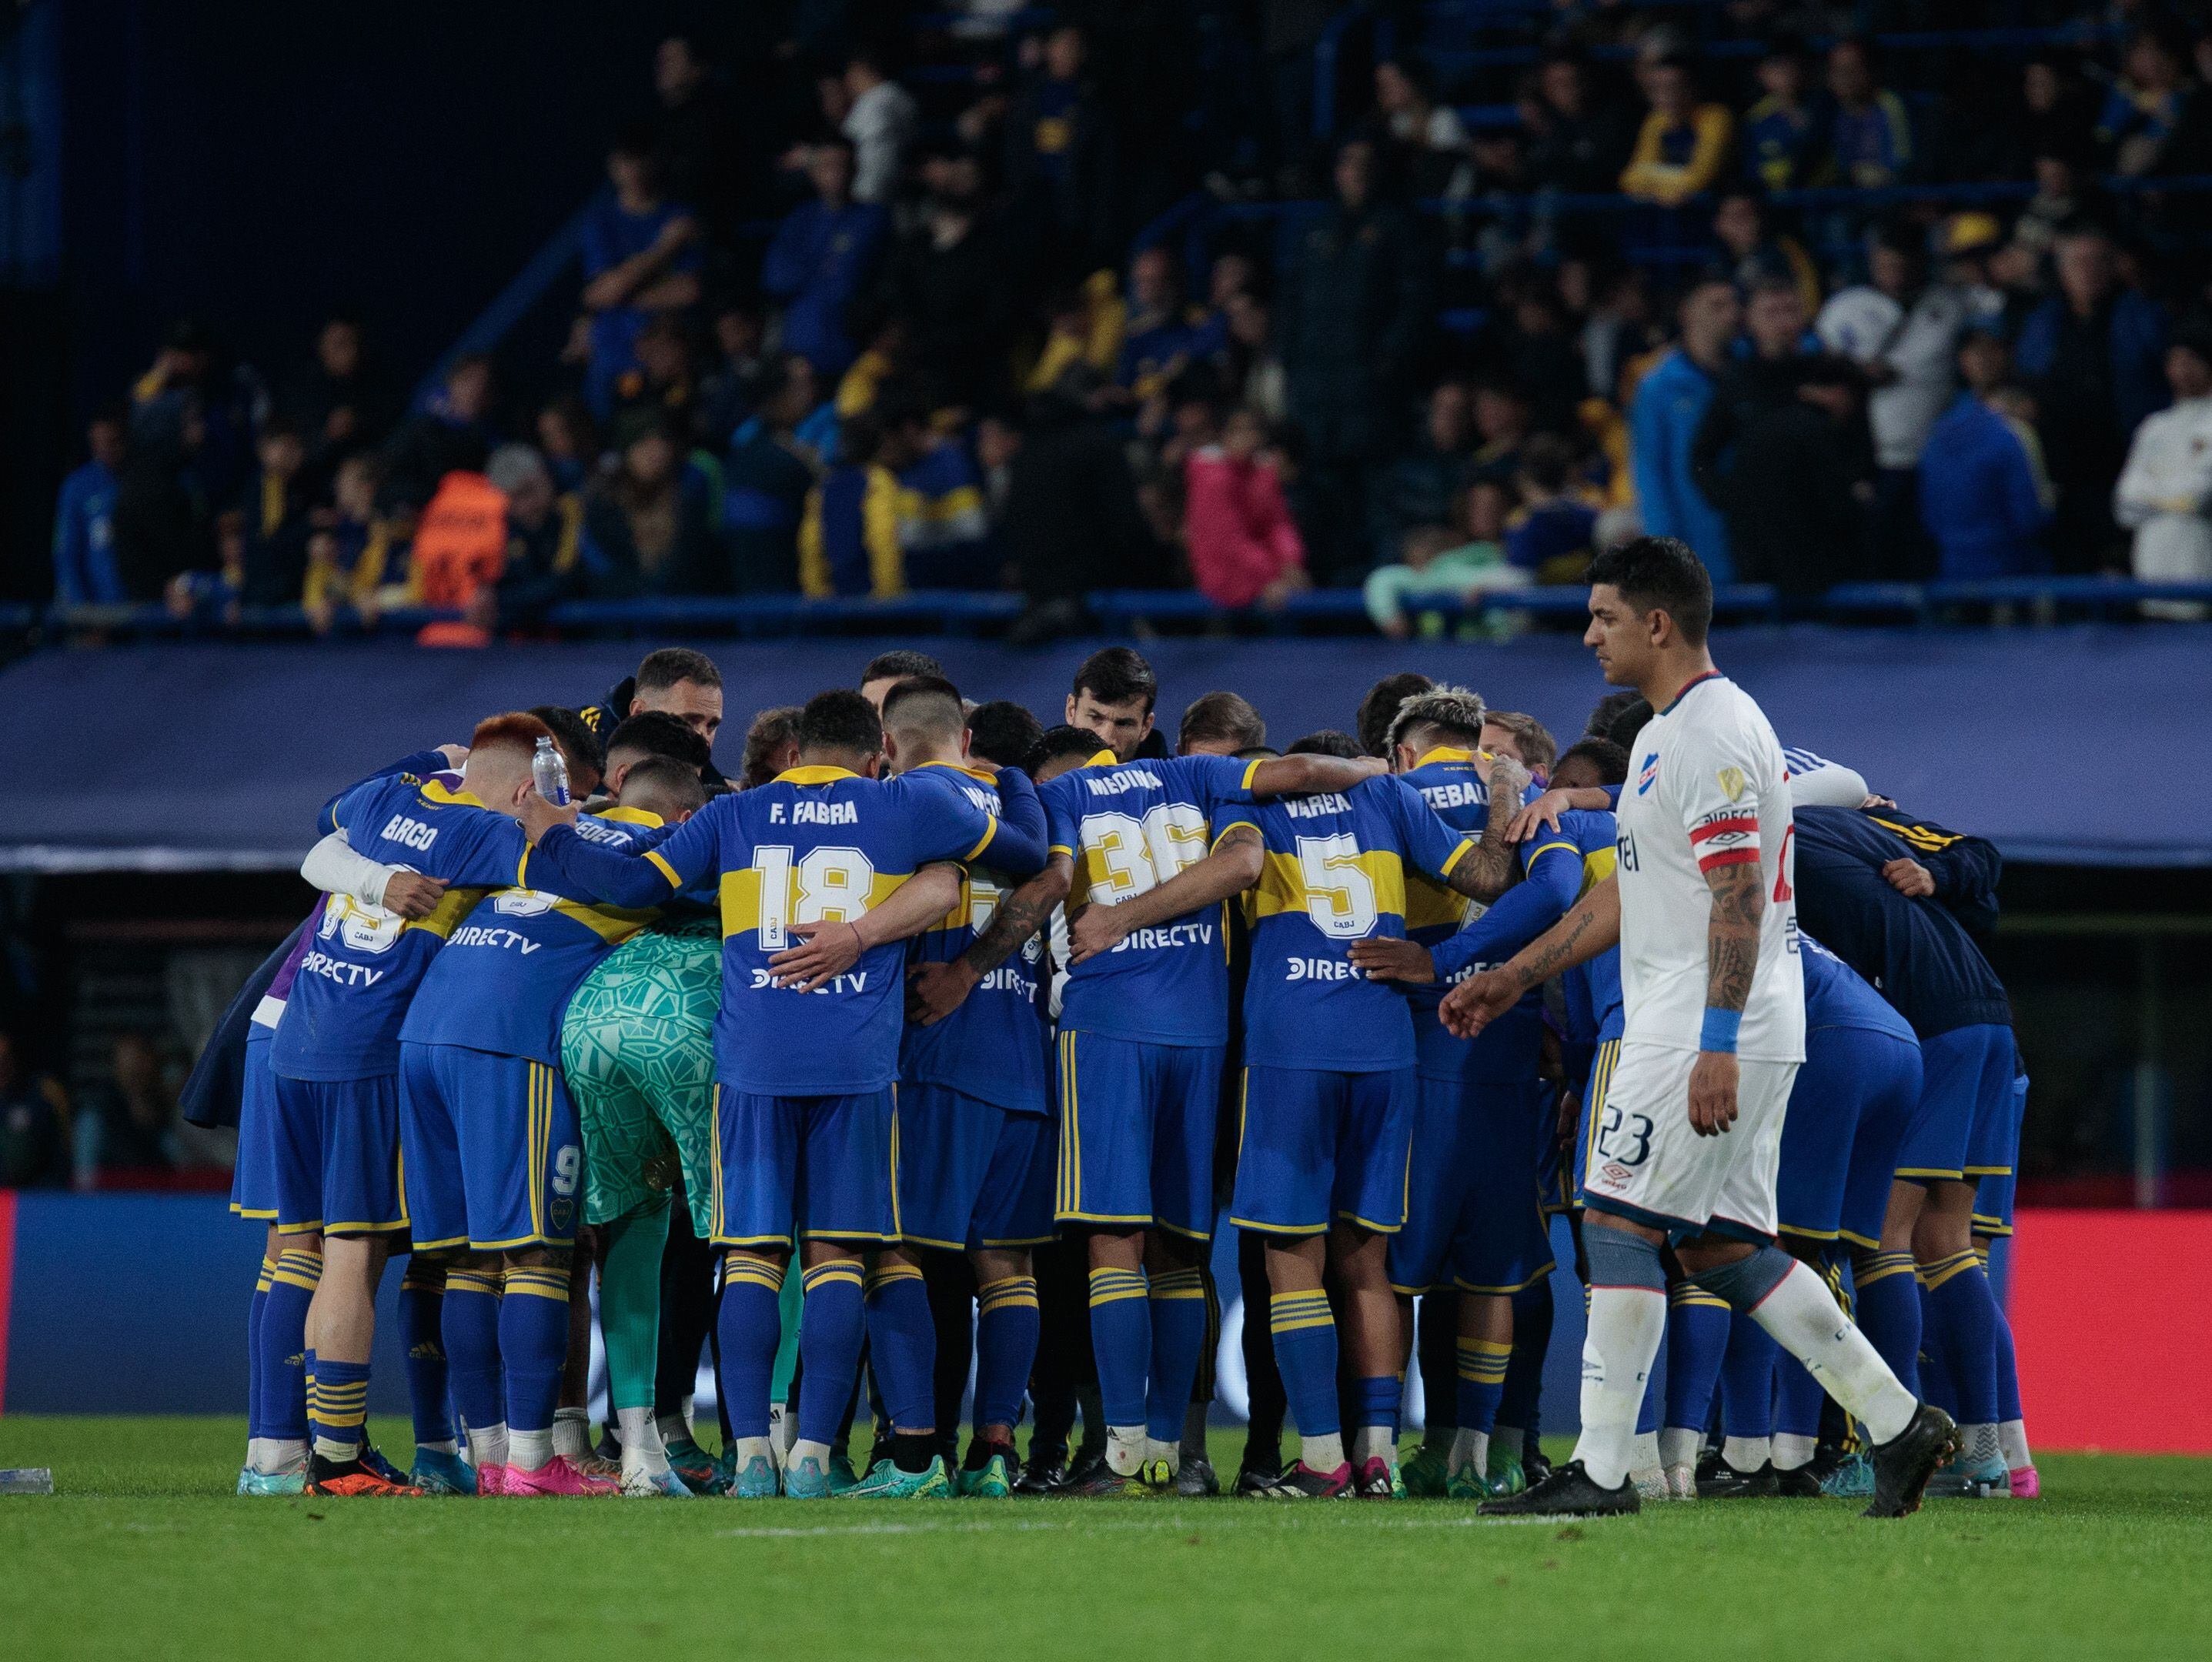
(1244, 546)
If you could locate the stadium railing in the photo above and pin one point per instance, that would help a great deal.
(2004, 601)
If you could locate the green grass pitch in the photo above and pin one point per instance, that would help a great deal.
(143, 1552)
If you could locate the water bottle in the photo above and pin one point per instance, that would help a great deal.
(551, 771)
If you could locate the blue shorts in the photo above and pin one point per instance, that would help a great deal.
(493, 1159)
(792, 1168)
(1854, 1091)
(1316, 1148)
(1600, 1076)
(337, 1147)
(1136, 1133)
(254, 1181)
(1475, 1211)
(1966, 1094)
(970, 1175)
(1993, 1190)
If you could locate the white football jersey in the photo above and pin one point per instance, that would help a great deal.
(1707, 786)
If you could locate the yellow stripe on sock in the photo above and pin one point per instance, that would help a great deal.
(1950, 1269)
(843, 1270)
(267, 1275)
(884, 1274)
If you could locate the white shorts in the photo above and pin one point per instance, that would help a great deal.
(1646, 1163)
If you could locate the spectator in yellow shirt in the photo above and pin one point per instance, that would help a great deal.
(1682, 145)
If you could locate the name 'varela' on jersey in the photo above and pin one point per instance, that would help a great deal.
(1706, 788)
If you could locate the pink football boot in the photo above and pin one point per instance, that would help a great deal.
(556, 1477)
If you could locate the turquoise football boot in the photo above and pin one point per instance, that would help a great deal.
(439, 1473)
(757, 1481)
(250, 1482)
(807, 1480)
(887, 1482)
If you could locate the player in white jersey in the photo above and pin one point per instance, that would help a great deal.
(1703, 909)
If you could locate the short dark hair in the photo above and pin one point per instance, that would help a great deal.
(937, 701)
(1549, 460)
(900, 665)
(658, 733)
(1608, 709)
(669, 781)
(664, 668)
(1660, 574)
(1060, 740)
(1117, 675)
(1222, 719)
(840, 719)
(1602, 754)
(771, 731)
(1380, 707)
(574, 735)
(1629, 722)
(1003, 732)
(1327, 742)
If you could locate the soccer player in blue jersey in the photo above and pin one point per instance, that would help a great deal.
(1326, 1115)
(976, 1143)
(805, 1110)
(1144, 1019)
(336, 1057)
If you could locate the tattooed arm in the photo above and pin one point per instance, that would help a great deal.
(935, 990)
(1590, 925)
(1738, 894)
(1234, 866)
(1489, 868)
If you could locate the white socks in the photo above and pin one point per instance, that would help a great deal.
(1469, 1448)
(1373, 1442)
(529, 1451)
(1792, 1450)
(443, 1446)
(1126, 1446)
(487, 1445)
(1980, 1443)
(802, 1450)
(272, 1456)
(1678, 1446)
(1805, 1320)
(642, 1448)
(1626, 1326)
(759, 1448)
(572, 1433)
(2012, 1437)
(1322, 1453)
(782, 1428)
(1746, 1453)
(1171, 1453)
(1643, 1468)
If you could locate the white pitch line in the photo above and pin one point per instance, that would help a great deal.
(1014, 1527)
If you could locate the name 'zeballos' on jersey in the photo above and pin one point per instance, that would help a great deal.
(1707, 787)
(1129, 827)
(814, 845)
(1337, 864)
(992, 1047)
(509, 968)
(353, 988)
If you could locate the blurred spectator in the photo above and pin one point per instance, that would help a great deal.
(1751, 249)
(1617, 327)
(879, 120)
(1803, 470)
(1982, 497)
(641, 256)
(1782, 131)
(1430, 143)
(1550, 537)
(1670, 405)
(1869, 134)
(1060, 165)
(128, 1122)
(766, 481)
(34, 1127)
(1754, 385)
(731, 389)
(337, 401)
(545, 531)
(1902, 333)
(2095, 354)
(949, 286)
(1071, 519)
(1544, 357)
(1353, 321)
(265, 540)
(1255, 374)
(353, 548)
(848, 542)
(1434, 562)
(1244, 547)
(1082, 325)
(1682, 144)
(188, 403)
(86, 571)
(2046, 114)
(646, 530)
(2146, 118)
(459, 549)
(1503, 421)
(662, 384)
(692, 134)
(1163, 335)
(823, 256)
(1420, 486)
(944, 529)
(452, 432)
(569, 441)
(1577, 140)
(2063, 193)
(2165, 491)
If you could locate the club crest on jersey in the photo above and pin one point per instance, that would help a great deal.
(1651, 771)
(1731, 780)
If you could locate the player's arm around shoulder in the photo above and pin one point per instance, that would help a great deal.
(1237, 859)
(638, 873)
(934, 991)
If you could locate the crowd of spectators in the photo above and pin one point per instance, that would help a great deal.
(121, 1131)
(1458, 348)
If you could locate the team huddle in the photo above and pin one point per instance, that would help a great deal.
(943, 1041)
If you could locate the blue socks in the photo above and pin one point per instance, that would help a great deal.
(468, 1323)
(1007, 1323)
(1122, 1340)
(830, 1323)
(337, 1405)
(1963, 1316)
(1304, 1333)
(533, 1343)
(1483, 1364)
(1698, 1325)
(1748, 1380)
(421, 1304)
(1886, 1298)
(281, 1381)
(748, 1333)
(1532, 1313)
(1177, 1300)
(901, 1345)
(253, 1314)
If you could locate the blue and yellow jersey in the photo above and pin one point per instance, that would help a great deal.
(509, 966)
(1337, 871)
(814, 845)
(848, 540)
(992, 1047)
(1838, 996)
(351, 995)
(1130, 826)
